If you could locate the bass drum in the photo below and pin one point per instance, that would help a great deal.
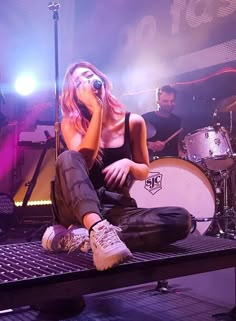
(176, 182)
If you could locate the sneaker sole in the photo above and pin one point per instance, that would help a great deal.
(111, 261)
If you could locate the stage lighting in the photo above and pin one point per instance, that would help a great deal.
(25, 85)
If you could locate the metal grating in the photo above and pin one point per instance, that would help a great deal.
(28, 262)
(29, 275)
(134, 305)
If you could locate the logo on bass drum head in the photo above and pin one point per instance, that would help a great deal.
(154, 182)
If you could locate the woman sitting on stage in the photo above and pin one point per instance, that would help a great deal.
(90, 195)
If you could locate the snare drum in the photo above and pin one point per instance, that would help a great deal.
(209, 148)
(176, 182)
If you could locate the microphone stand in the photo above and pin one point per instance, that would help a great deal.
(54, 6)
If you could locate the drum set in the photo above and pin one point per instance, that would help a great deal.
(210, 149)
(203, 181)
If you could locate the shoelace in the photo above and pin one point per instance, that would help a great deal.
(108, 236)
(71, 243)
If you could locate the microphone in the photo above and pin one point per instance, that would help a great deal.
(96, 84)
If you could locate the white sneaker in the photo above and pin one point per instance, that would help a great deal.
(108, 249)
(83, 234)
(57, 238)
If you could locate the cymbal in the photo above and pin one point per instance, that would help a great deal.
(227, 104)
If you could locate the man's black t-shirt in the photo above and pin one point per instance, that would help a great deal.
(164, 128)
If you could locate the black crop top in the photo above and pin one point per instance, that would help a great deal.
(111, 155)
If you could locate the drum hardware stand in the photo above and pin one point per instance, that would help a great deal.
(196, 220)
(227, 214)
(230, 122)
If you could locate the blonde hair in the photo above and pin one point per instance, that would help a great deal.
(75, 110)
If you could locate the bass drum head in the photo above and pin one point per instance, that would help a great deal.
(176, 182)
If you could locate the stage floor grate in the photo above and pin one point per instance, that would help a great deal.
(136, 304)
(28, 261)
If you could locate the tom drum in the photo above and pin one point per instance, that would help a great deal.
(210, 148)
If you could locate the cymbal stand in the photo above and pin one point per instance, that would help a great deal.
(230, 123)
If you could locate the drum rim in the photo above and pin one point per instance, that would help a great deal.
(203, 159)
(210, 128)
(217, 158)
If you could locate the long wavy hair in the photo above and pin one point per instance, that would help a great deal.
(75, 110)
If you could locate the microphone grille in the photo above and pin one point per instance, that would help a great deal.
(97, 84)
